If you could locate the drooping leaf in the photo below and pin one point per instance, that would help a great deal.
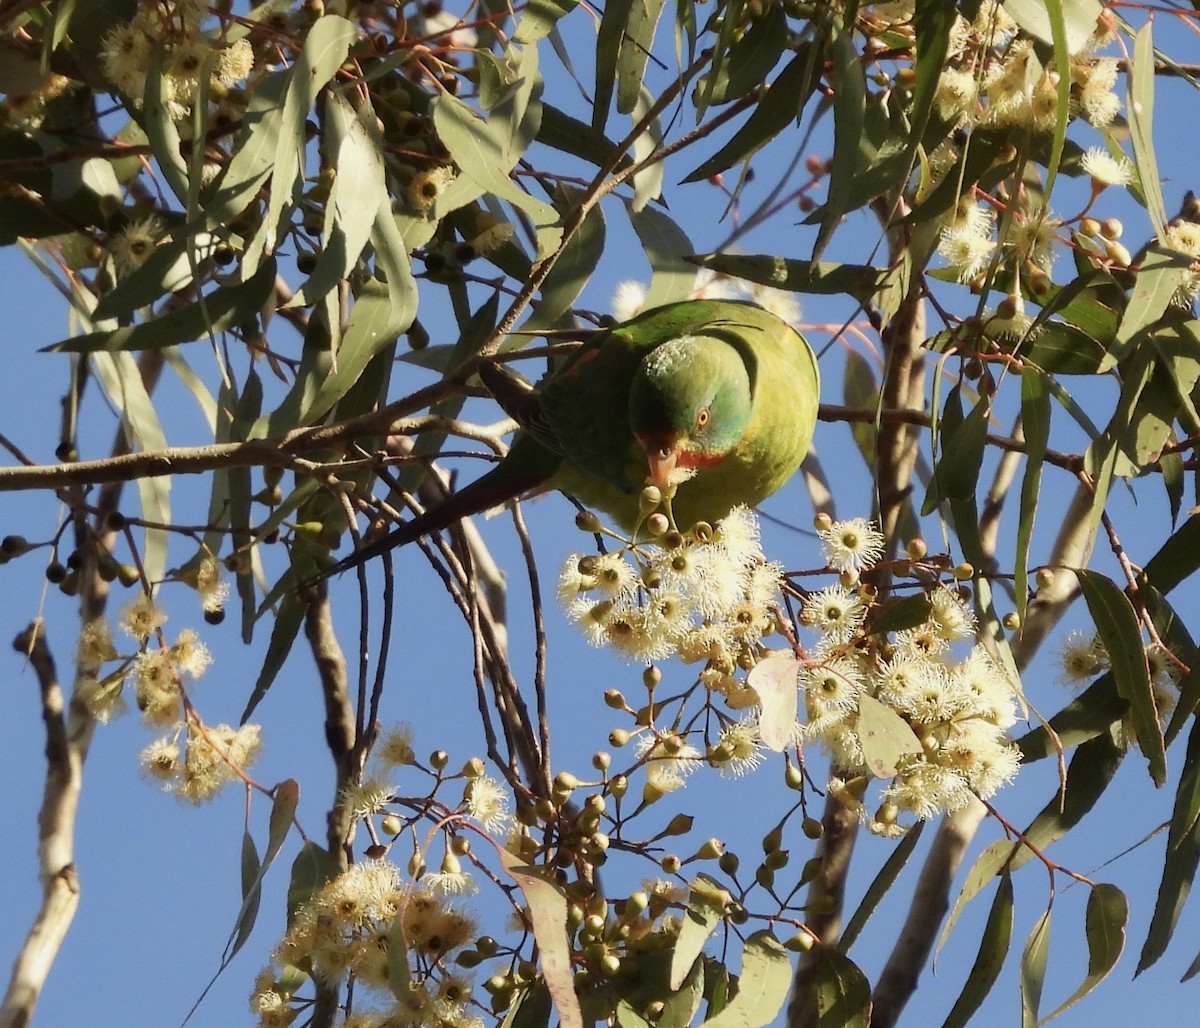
(665, 244)
(288, 617)
(1181, 859)
(1104, 928)
(849, 112)
(747, 64)
(548, 914)
(707, 901)
(637, 40)
(774, 113)
(962, 443)
(530, 1008)
(1033, 969)
(225, 307)
(1088, 774)
(121, 376)
(1119, 629)
(993, 949)
(796, 276)
(1141, 78)
(840, 989)
(311, 869)
(880, 886)
(1092, 712)
(571, 272)
(987, 865)
(762, 986)
(1035, 425)
(539, 17)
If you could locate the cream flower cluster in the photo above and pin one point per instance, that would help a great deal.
(193, 761)
(174, 28)
(353, 926)
(944, 717)
(995, 79)
(708, 600)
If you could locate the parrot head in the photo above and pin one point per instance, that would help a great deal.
(690, 403)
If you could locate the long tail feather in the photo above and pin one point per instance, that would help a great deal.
(493, 489)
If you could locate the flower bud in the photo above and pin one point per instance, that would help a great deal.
(680, 824)
(670, 863)
(586, 521)
(657, 525)
(613, 698)
(650, 500)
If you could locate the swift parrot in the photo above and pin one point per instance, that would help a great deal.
(722, 390)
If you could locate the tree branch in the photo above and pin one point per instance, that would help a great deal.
(68, 734)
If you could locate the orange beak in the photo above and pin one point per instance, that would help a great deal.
(662, 456)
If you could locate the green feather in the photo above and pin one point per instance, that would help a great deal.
(754, 378)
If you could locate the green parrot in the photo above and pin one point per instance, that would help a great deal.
(721, 389)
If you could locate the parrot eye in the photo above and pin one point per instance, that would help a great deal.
(703, 417)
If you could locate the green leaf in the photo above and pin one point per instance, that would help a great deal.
(1035, 424)
(399, 971)
(1033, 970)
(849, 112)
(570, 135)
(775, 112)
(311, 869)
(707, 901)
(885, 736)
(225, 307)
(636, 43)
(121, 377)
(1140, 105)
(530, 1008)
(486, 150)
(1182, 857)
(326, 46)
(609, 38)
(840, 989)
(1104, 927)
(1119, 629)
(1160, 274)
(993, 948)
(747, 64)
(1091, 769)
(774, 679)
(1177, 559)
(284, 801)
(539, 17)
(288, 617)
(1080, 18)
(665, 243)
(987, 865)
(962, 442)
(880, 886)
(762, 987)
(795, 276)
(251, 897)
(253, 156)
(572, 270)
(548, 914)
(358, 190)
(1092, 712)
(901, 614)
